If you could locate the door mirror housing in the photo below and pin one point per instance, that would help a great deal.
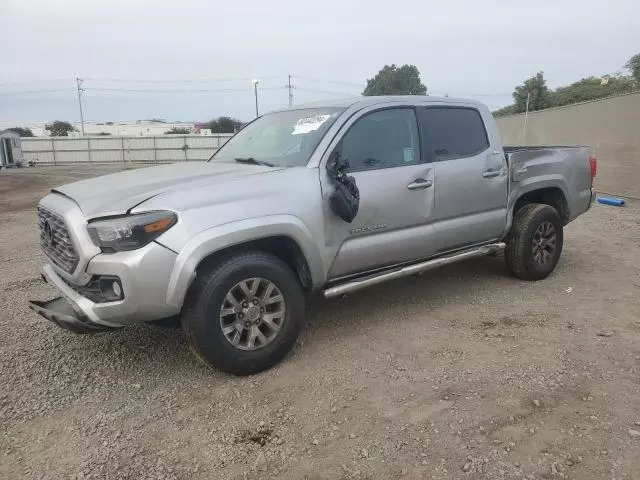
(337, 164)
(345, 199)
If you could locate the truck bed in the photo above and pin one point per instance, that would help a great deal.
(564, 167)
(511, 149)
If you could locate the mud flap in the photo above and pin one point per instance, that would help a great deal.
(61, 312)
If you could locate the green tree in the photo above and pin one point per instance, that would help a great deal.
(178, 131)
(536, 89)
(633, 65)
(392, 80)
(59, 128)
(590, 88)
(23, 132)
(508, 110)
(225, 125)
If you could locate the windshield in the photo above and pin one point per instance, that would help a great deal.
(283, 139)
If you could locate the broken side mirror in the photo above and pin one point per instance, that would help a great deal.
(337, 165)
(345, 199)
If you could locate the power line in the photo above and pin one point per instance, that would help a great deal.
(336, 82)
(175, 90)
(217, 79)
(234, 89)
(31, 82)
(329, 92)
(27, 92)
(201, 80)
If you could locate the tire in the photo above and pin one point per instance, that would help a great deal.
(539, 224)
(207, 311)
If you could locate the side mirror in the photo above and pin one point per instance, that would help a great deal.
(337, 165)
(345, 199)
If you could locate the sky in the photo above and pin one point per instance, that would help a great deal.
(194, 60)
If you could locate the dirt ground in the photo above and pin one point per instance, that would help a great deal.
(461, 373)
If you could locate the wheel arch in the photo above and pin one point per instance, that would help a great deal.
(552, 196)
(552, 193)
(283, 236)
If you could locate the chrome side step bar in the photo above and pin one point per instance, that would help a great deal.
(353, 285)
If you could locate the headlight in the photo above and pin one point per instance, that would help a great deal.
(130, 232)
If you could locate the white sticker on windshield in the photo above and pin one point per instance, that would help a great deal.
(309, 124)
(408, 154)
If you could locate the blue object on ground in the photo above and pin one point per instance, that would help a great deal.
(616, 202)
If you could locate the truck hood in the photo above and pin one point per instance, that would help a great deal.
(117, 193)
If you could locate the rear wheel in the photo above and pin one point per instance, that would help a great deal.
(245, 314)
(535, 242)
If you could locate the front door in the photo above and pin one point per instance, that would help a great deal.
(470, 177)
(396, 194)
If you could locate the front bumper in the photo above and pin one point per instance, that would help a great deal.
(144, 275)
(61, 312)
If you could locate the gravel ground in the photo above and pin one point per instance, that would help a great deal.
(461, 373)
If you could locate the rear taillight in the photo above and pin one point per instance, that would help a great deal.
(593, 164)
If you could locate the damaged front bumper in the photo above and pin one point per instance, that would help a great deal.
(72, 311)
(143, 277)
(61, 312)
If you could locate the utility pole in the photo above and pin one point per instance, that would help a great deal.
(290, 93)
(80, 90)
(526, 116)
(255, 90)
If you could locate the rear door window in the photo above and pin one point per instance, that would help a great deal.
(453, 132)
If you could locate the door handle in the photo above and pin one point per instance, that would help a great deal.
(419, 184)
(492, 173)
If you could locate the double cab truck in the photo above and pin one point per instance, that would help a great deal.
(325, 198)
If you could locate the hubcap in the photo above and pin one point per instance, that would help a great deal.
(252, 313)
(544, 243)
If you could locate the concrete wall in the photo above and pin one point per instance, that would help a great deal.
(610, 126)
(112, 149)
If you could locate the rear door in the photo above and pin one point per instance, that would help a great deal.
(396, 193)
(471, 177)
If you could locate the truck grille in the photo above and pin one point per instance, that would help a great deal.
(55, 240)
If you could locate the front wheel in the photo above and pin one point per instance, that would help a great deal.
(245, 314)
(535, 242)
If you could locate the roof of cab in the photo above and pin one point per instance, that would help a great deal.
(374, 100)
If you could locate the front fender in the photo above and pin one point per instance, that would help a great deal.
(218, 238)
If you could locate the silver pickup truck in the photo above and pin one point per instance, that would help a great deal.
(330, 197)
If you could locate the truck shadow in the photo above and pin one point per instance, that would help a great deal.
(461, 283)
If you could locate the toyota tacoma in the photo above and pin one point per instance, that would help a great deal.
(331, 197)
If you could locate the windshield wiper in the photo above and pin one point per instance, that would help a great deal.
(253, 161)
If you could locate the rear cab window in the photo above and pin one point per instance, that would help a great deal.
(452, 132)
